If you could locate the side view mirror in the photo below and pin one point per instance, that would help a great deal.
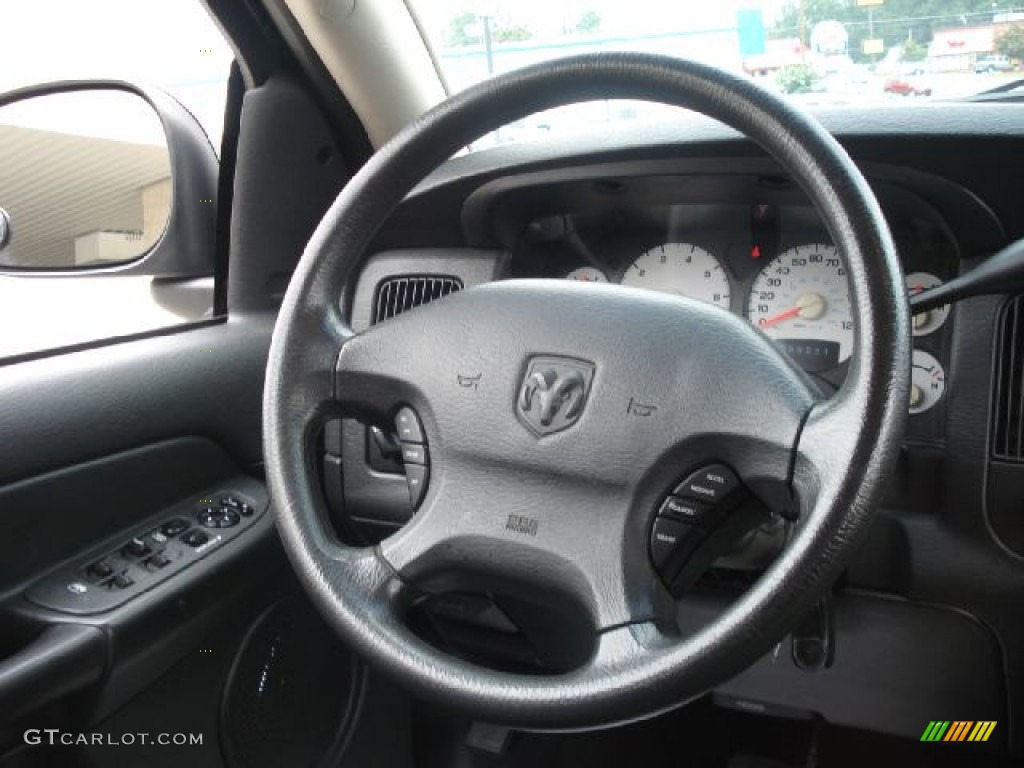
(104, 177)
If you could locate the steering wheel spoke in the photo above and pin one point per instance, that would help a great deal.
(565, 544)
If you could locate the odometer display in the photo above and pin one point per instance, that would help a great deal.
(802, 296)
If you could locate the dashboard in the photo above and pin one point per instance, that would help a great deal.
(746, 244)
(699, 212)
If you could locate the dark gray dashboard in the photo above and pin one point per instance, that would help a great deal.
(949, 180)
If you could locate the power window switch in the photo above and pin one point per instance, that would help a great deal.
(136, 548)
(122, 581)
(99, 570)
(158, 561)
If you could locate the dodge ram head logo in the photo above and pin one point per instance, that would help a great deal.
(553, 393)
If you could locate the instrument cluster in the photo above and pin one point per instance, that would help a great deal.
(774, 265)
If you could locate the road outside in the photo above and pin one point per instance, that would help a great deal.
(869, 88)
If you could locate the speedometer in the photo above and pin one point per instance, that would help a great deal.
(802, 300)
(682, 269)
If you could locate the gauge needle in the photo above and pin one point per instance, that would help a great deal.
(810, 306)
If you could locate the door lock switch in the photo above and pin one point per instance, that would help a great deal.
(173, 527)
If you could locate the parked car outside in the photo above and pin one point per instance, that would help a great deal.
(904, 87)
(996, 62)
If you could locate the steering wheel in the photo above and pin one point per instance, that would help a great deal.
(588, 404)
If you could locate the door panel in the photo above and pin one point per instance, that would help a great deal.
(98, 442)
(67, 409)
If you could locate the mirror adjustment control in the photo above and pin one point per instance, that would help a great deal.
(711, 484)
(218, 517)
(236, 504)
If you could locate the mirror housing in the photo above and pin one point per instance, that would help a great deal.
(186, 249)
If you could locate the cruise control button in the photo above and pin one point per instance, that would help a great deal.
(408, 427)
(665, 535)
(414, 454)
(689, 511)
(671, 543)
(711, 484)
(416, 476)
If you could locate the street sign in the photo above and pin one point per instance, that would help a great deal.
(750, 24)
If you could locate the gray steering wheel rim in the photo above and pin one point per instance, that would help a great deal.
(841, 459)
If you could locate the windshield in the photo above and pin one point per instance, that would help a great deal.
(816, 52)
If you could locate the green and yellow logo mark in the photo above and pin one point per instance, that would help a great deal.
(958, 730)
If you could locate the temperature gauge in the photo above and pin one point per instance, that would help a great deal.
(587, 275)
(927, 382)
(932, 320)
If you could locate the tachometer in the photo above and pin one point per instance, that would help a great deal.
(802, 300)
(683, 269)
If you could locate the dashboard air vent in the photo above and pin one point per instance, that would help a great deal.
(1008, 414)
(396, 295)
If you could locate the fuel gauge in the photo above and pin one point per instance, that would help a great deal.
(927, 382)
(587, 275)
